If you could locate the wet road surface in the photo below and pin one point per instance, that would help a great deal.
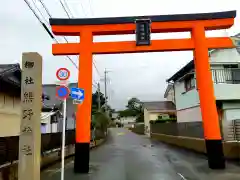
(127, 156)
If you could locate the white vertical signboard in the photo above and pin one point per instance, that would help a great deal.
(31, 104)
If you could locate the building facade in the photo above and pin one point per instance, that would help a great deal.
(10, 100)
(50, 90)
(225, 69)
(157, 110)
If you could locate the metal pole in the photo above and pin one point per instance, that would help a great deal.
(63, 138)
(99, 100)
(105, 83)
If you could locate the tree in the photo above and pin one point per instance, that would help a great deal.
(134, 104)
(140, 117)
(134, 108)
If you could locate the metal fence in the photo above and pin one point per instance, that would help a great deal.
(227, 75)
(188, 129)
(9, 145)
(232, 132)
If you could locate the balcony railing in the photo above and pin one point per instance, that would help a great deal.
(226, 76)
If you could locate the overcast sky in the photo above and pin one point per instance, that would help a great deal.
(131, 75)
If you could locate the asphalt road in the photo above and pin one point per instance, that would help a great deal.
(127, 156)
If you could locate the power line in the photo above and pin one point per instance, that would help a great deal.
(90, 7)
(46, 9)
(94, 64)
(35, 5)
(49, 32)
(83, 9)
(43, 24)
(64, 8)
(49, 14)
(96, 67)
(68, 7)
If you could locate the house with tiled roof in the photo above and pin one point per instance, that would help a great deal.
(155, 110)
(10, 94)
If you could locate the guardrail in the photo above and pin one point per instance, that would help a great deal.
(9, 145)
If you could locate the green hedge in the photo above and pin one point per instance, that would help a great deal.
(100, 122)
(170, 120)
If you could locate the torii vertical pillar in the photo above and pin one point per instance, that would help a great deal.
(82, 146)
(212, 135)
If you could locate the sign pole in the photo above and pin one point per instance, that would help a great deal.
(63, 137)
(62, 92)
(31, 104)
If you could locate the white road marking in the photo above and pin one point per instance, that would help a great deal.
(182, 176)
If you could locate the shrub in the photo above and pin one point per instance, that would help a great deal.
(170, 120)
(101, 121)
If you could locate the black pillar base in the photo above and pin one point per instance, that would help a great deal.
(81, 160)
(215, 154)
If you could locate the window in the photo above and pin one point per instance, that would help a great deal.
(189, 83)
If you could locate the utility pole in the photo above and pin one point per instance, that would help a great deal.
(99, 99)
(105, 83)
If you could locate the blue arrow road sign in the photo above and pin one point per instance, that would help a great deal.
(77, 94)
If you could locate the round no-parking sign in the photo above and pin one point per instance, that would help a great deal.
(62, 92)
(63, 74)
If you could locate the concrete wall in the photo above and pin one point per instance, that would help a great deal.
(231, 149)
(9, 115)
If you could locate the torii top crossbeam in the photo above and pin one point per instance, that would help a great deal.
(126, 25)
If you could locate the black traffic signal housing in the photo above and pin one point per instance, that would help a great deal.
(143, 32)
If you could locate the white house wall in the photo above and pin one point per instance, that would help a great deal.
(227, 91)
(189, 115)
(146, 122)
(185, 99)
(127, 120)
(9, 115)
(170, 95)
(154, 115)
(191, 98)
(225, 56)
(231, 110)
(231, 105)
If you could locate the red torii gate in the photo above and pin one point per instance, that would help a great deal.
(194, 23)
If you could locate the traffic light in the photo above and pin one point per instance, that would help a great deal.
(143, 32)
